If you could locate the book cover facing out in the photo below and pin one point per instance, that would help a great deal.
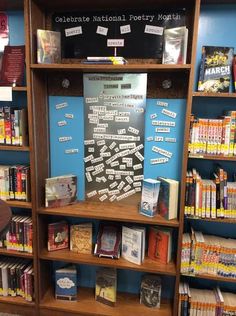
(150, 192)
(48, 47)
(105, 291)
(81, 238)
(58, 237)
(66, 283)
(215, 69)
(150, 293)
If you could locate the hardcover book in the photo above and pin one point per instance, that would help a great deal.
(81, 238)
(108, 241)
(133, 244)
(160, 244)
(150, 293)
(58, 236)
(66, 283)
(167, 205)
(48, 47)
(150, 192)
(61, 190)
(106, 283)
(215, 69)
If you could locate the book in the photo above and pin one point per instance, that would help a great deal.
(66, 283)
(215, 69)
(150, 291)
(133, 244)
(13, 63)
(149, 197)
(106, 283)
(234, 72)
(58, 236)
(48, 47)
(167, 205)
(175, 45)
(81, 238)
(160, 244)
(61, 190)
(108, 241)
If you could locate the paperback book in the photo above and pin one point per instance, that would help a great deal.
(215, 69)
(106, 283)
(48, 47)
(150, 292)
(58, 237)
(149, 197)
(66, 283)
(61, 190)
(133, 244)
(81, 238)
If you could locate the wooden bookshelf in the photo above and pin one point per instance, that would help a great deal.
(14, 148)
(127, 304)
(14, 253)
(20, 89)
(214, 95)
(111, 68)
(210, 277)
(108, 211)
(212, 157)
(19, 204)
(148, 265)
(213, 220)
(17, 300)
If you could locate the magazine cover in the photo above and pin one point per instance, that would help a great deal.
(215, 69)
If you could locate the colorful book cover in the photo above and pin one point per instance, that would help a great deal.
(81, 238)
(150, 192)
(106, 283)
(132, 244)
(61, 190)
(66, 283)
(48, 47)
(215, 69)
(58, 236)
(160, 244)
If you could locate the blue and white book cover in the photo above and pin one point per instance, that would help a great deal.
(66, 283)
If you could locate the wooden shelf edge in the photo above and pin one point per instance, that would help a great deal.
(211, 157)
(148, 265)
(19, 204)
(213, 220)
(214, 95)
(210, 277)
(16, 301)
(23, 89)
(127, 304)
(14, 148)
(105, 211)
(14, 253)
(127, 67)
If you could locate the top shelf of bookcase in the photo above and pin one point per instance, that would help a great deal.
(214, 95)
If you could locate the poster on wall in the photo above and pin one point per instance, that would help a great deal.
(139, 33)
(114, 135)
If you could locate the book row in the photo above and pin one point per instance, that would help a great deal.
(15, 182)
(112, 241)
(66, 286)
(208, 254)
(19, 237)
(213, 136)
(16, 278)
(205, 302)
(206, 198)
(13, 126)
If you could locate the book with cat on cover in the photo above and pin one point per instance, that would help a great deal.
(81, 238)
(215, 69)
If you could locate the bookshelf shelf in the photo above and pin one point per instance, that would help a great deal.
(148, 265)
(111, 68)
(23, 89)
(214, 95)
(13, 253)
(14, 148)
(105, 211)
(127, 304)
(216, 220)
(212, 157)
(16, 300)
(19, 204)
(210, 277)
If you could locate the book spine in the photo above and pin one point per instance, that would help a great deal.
(7, 122)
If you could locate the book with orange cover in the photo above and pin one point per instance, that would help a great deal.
(160, 244)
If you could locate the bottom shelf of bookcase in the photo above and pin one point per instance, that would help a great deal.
(17, 305)
(127, 304)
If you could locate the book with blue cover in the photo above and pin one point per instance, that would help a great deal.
(66, 283)
(150, 192)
